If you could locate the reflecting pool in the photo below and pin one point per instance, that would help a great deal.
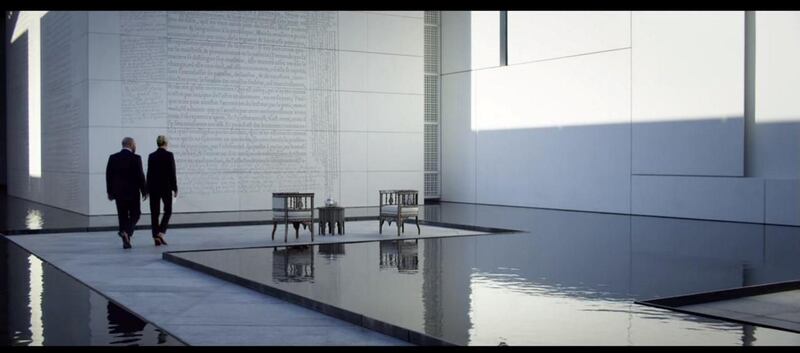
(566, 281)
(42, 306)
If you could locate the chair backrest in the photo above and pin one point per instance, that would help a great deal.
(292, 201)
(398, 197)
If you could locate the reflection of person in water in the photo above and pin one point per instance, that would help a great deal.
(124, 325)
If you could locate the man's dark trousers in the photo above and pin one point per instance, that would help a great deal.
(128, 212)
(155, 209)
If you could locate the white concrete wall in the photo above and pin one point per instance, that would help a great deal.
(625, 112)
(254, 103)
(776, 133)
(534, 35)
(688, 101)
(46, 81)
(473, 32)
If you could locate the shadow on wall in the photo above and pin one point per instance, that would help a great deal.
(548, 151)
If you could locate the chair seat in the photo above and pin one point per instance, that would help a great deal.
(405, 211)
(278, 215)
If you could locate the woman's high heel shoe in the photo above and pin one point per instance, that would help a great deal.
(160, 239)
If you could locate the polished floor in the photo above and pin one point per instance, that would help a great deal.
(570, 279)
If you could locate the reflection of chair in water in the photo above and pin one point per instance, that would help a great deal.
(400, 254)
(331, 251)
(294, 207)
(293, 264)
(397, 205)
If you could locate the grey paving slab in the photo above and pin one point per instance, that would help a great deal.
(747, 306)
(789, 316)
(262, 314)
(788, 298)
(201, 309)
(774, 322)
(284, 335)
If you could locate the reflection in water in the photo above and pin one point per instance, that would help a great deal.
(36, 285)
(572, 279)
(34, 219)
(293, 264)
(399, 254)
(331, 251)
(48, 308)
(123, 326)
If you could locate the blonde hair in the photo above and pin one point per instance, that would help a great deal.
(161, 140)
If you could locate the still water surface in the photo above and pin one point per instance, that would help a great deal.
(549, 288)
(42, 306)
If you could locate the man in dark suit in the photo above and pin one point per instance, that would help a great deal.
(161, 185)
(124, 181)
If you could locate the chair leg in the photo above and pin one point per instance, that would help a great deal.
(417, 219)
(296, 230)
(274, 227)
(380, 226)
(286, 231)
(399, 222)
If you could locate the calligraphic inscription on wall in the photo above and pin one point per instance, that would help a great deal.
(249, 99)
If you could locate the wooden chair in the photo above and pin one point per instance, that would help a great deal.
(294, 207)
(398, 205)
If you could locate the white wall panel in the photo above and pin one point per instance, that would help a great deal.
(394, 112)
(394, 34)
(353, 111)
(353, 189)
(415, 14)
(782, 202)
(485, 39)
(718, 198)
(104, 57)
(458, 138)
(470, 40)
(353, 151)
(537, 35)
(395, 74)
(105, 105)
(352, 30)
(588, 90)
(103, 21)
(353, 71)
(395, 152)
(558, 132)
(777, 109)
(456, 41)
(688, 101)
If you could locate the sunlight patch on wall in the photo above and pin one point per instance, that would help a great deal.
(30, 22)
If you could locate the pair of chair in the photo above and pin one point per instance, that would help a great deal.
(298, 209)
